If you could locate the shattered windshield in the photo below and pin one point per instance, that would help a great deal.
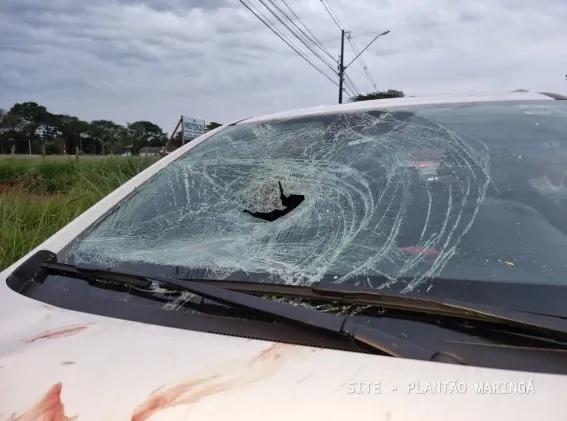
(473, 191)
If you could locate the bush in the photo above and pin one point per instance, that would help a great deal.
(59, 176)
(45, 195)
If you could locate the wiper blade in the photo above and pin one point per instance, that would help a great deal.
(536, 324)
(530, 323)
(35, 269)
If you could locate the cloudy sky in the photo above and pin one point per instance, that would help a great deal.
(128, 60)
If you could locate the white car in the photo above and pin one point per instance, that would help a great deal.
(399, 259)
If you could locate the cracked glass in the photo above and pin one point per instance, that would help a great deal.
(389, 197)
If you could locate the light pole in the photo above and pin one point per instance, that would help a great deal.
(342, 67)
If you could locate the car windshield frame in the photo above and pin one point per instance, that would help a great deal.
(450, 286)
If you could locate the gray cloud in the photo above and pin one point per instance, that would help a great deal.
(157, 59)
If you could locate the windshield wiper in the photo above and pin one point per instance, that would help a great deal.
(541, 326)
(36, 268)
(529, 323)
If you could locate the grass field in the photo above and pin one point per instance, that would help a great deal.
(40, 196)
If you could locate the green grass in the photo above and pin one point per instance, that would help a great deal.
(39, 197)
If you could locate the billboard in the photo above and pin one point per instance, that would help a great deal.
(192, 127)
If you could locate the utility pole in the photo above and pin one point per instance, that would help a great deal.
(341, 67)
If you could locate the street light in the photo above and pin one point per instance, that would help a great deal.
(342, 67)
(369, 44)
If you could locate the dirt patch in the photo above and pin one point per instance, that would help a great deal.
(12, 188)
(22, 192)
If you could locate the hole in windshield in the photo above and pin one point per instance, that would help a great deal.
(289, 203)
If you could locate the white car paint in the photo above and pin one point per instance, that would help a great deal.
(60, 365)
(400, 102)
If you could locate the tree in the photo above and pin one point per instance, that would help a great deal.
(29, 127)
(29, 120)
(72, 132)
(107, 134)
(50, 136)
(212, 125)
(390, 93)
(9, 136)
(145, 133)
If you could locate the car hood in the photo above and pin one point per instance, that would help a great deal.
(57, 364)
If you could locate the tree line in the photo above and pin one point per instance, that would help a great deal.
(29, 128)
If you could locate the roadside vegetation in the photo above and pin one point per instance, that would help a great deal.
(40, 196)
(53, 167)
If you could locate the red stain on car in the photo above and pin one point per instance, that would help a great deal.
(227, 376)
(181, 394)
(274, 352)
(57, 333)
(49, 408)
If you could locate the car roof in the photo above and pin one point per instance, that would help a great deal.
(400, 102)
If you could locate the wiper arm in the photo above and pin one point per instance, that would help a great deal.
(35, 269)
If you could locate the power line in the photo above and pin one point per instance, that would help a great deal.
(282, 37)
(351, 89)
(289, 44)
(342, 68)
(313, 38)
(348, 89)
(332, 14)
(349, 84)
(349, 92)
(350, 81)
(294, 33)
(312, 43)
(306, 40)
(271, 25)
(355, 50)
(352, 84)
